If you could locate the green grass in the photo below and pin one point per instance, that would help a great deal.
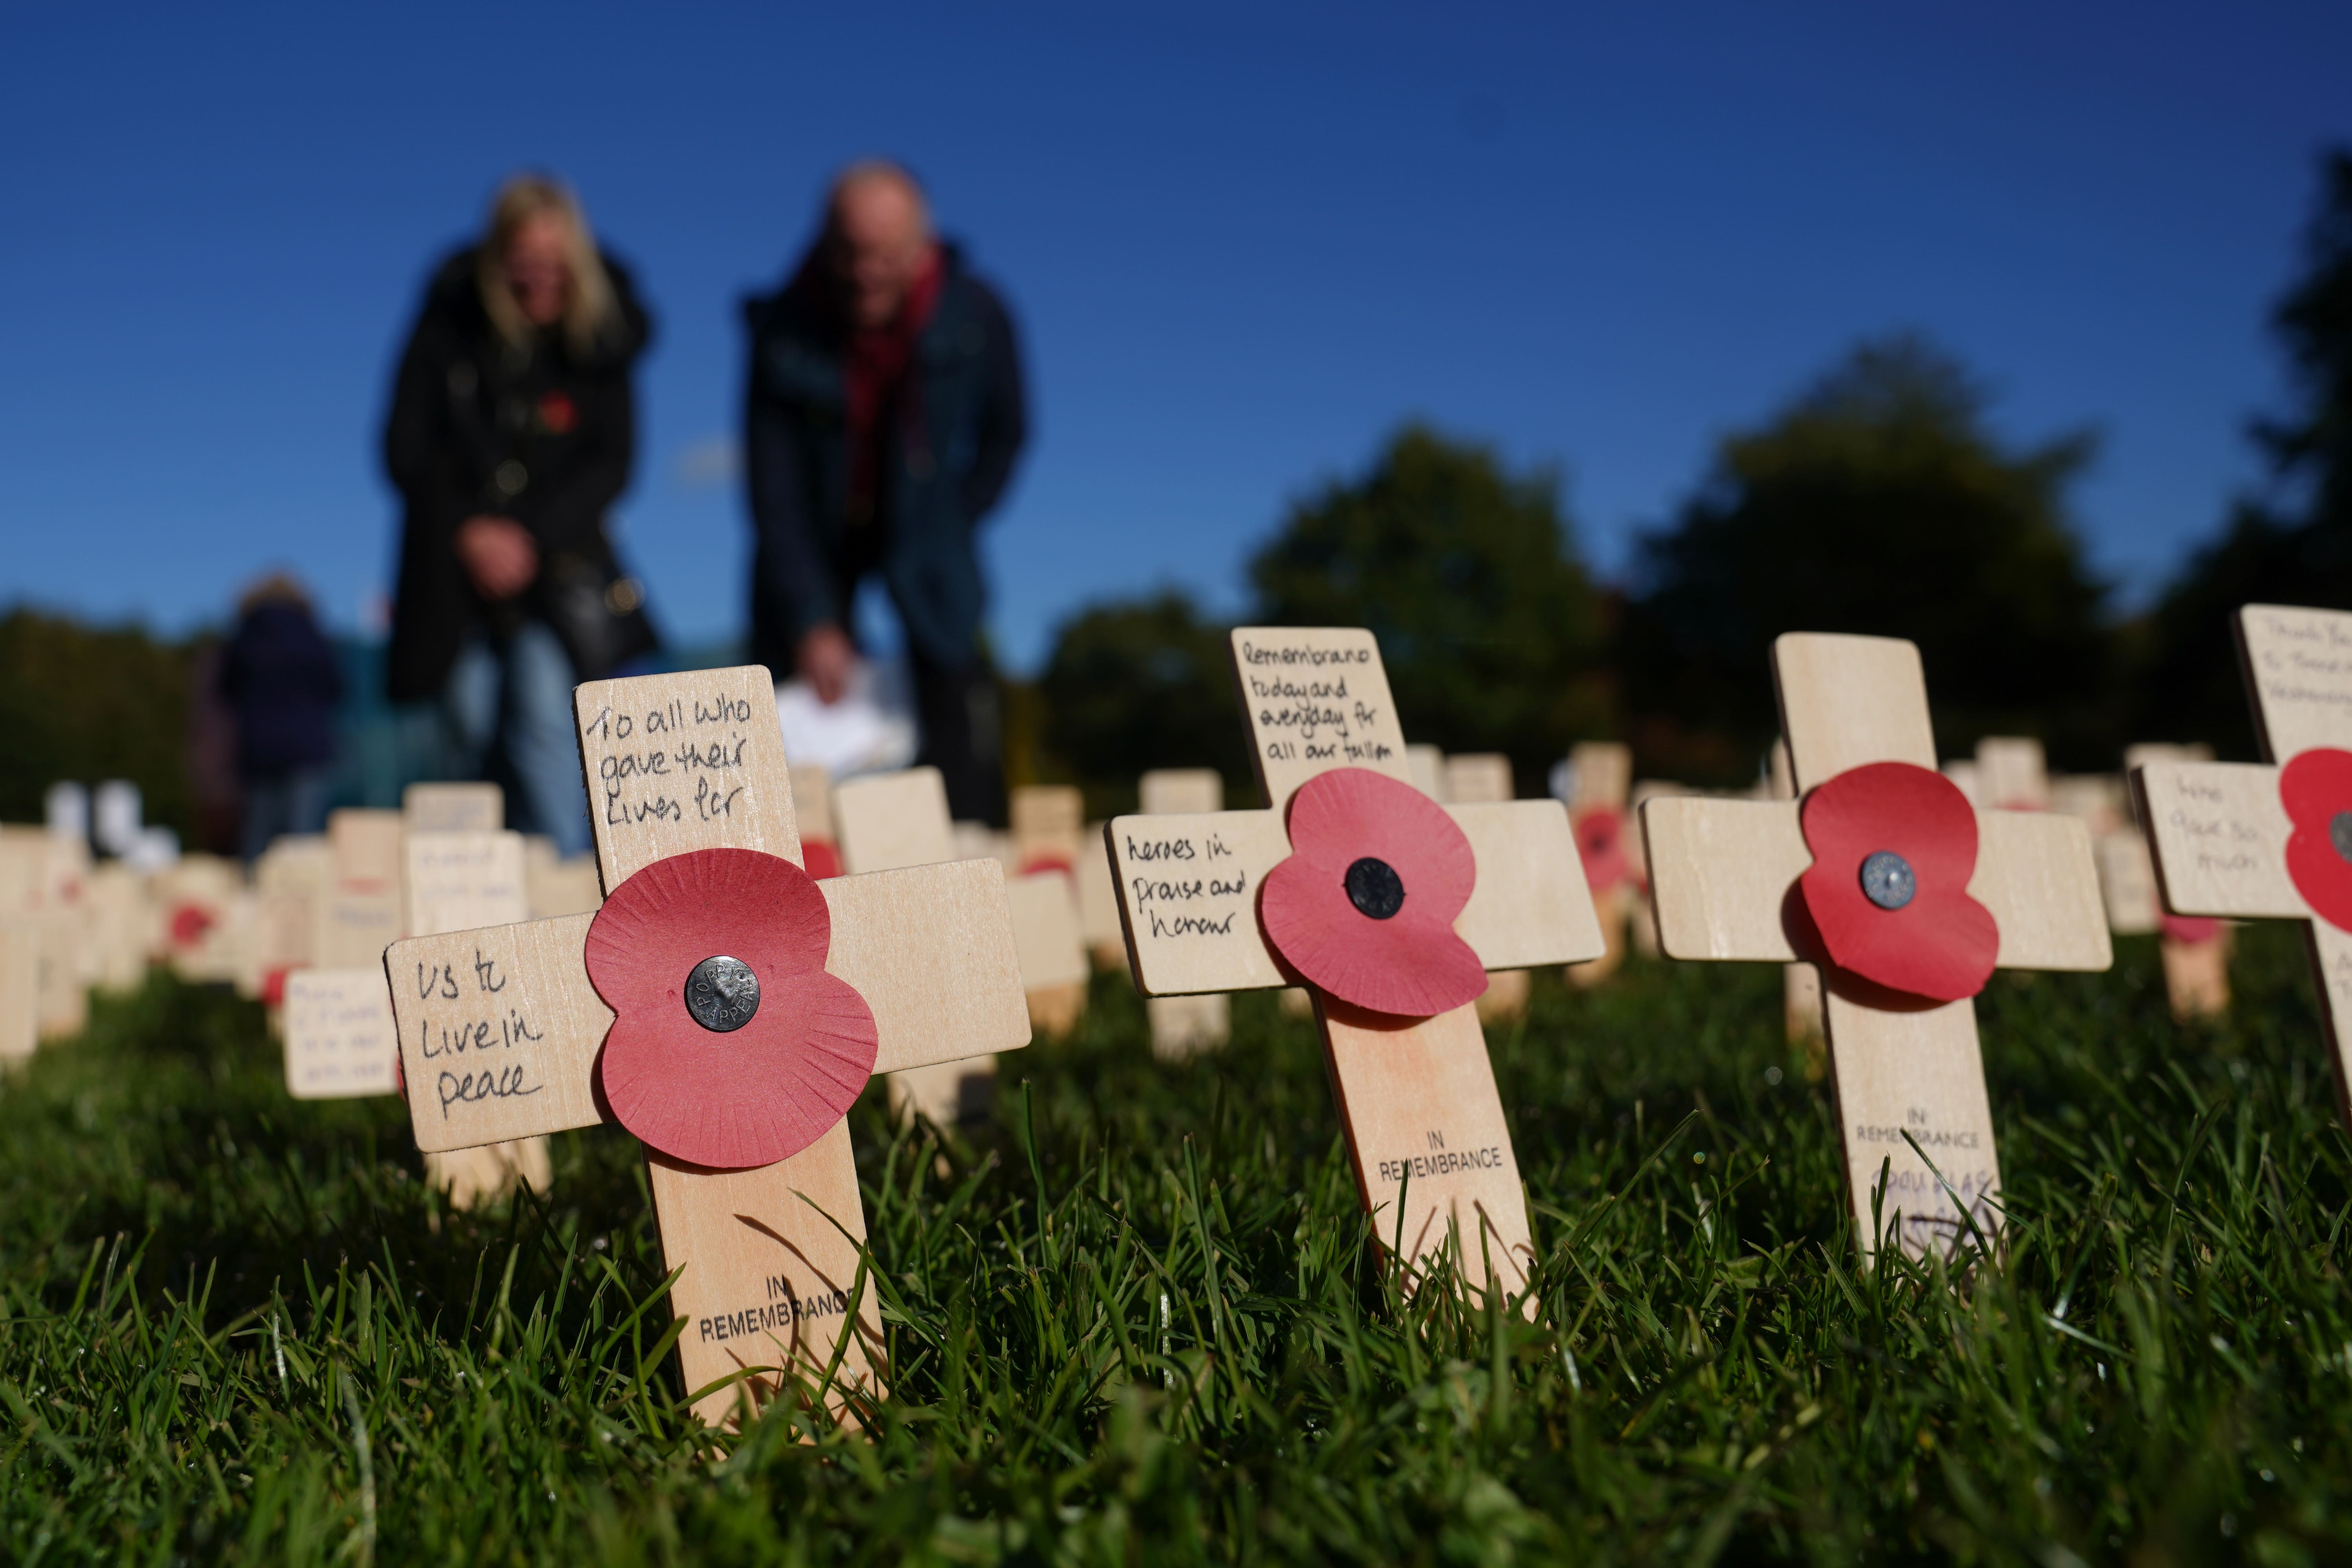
(240, 1328)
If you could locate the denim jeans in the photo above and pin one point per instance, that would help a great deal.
(508, 706)
(278, 804)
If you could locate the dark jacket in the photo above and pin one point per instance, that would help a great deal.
(945, 460)
(479, 426)
(280, 678)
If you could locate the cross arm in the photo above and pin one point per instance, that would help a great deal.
(1531, 905)
(1188, 889)
(930, 949)
(1046, 936)
(2035, 873)
(1719, 871)
(499, 1027)
(1187, 898)
(2217, 833)
(498, 1032)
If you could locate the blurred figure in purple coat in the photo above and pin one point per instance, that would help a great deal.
(280, 678)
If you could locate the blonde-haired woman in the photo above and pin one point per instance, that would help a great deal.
(512, 432)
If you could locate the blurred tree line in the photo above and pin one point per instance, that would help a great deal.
(92, 703)
(1878, 500)
(1491, 632)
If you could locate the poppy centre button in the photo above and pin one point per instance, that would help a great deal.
(722, 994)
(1887, 880)
(2339, 834)
(1375, 888)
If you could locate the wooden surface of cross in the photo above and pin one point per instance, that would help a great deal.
(2195, 951)
(890, 822)
(2220, 831)
(1048, 837)
(1182, 1027)
(1482, 778)
(1722, 876)
(1425, 1127)
(340, 1039)
(1603, 775)
(500, 1028)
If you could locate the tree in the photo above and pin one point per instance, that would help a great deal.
(2292, 546)
(1490, 630)
(1139, 684)
(1877, 503)
(87, 704)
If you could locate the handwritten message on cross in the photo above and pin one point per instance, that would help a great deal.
(1904, 896)
(340, 1037)
(1389, 908)
(726, 1008)
(2273, 840)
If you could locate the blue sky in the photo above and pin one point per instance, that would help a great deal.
(1243, 242)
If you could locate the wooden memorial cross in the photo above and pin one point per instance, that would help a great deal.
(1904, 896)
(462, 879)
(1483, 776)
(43, 879)
(453, 808)
(1641, 926)
(1469, 778)
(289, 882)
(813, 814)
(361, 914)
(1048, 835)
(1425, 766)
(1359, 883)
(1603, 773)
(1099, 905)
(888, 822)
(2011, 773)
(558, 887)
(753, 1003)
(2273, 840)
(893, 821)
(1801, 982)
(2194, 950)
(389, 879)
(1182, 1027)
(198, 896)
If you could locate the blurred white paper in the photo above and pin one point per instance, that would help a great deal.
(870, 731)
(151, 849)
(67, 806)
(118, 816)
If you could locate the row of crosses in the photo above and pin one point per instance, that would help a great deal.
(728, 1008)
(1425, 1127)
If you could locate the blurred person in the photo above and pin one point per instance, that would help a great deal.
(512, 431)
(279, 682)
(882, 419)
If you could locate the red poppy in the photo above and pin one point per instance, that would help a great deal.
(2315, 788)
(189, 923)
(1600, 845)
(785, 1056)
(1046, 860)
(1364, 906)
(819, 859)
(1894, 847)
(557, 414)
(2188, 930)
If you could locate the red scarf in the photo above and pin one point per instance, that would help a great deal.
(874, 382)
